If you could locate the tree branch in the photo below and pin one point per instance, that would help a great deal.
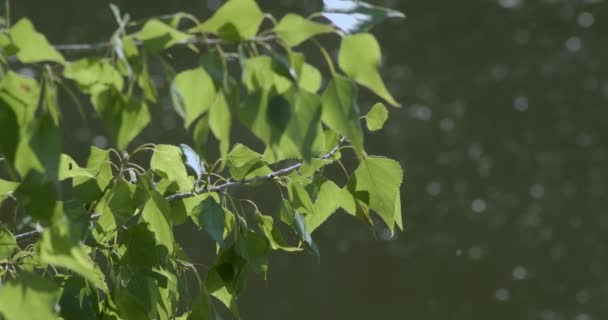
(221, 187)
(87, 47)
(270, 176)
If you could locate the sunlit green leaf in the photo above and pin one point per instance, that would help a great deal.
(273, 234)
(89, 72)
(68, 168)
(376, 117)
(61, 248)
(245, 163)
(288, 124)
(30, 296)
(33, 46)
(193, 92)
(340, 110)
(220, 121)
(157, 35)
(235, 20)
(329, 198)
(310, 78)
(360, 58)
(376, 182)
(353, 16)
(90, 189)
(167, 163)
(261, 73)
(294, 29)
(8, 243)
(157, 217)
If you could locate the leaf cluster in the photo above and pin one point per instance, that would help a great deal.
(96, 240)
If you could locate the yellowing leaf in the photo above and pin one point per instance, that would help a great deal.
(360, 58)
(294, 29)
(33, 46)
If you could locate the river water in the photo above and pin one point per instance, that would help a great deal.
(503, 136)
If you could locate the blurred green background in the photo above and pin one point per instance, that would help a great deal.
(503, 137)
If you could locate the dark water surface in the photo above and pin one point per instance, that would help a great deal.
(504, 138)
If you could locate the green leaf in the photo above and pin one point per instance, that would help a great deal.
(60, 247)
(124, 117)
(7, 188)
(340, 110)
(273, 234)
(360, 58)
(193, 92)
(37, 195)
(41, 149)
(212, 218)
(300, 226)
(157, 217)
(157, 35)
(29, 296)
(329, 198)
(167, 163)
(353, 16)
(235, 20)
(310, 78)
(254, 248)
(68, 168)
(226, 279)
(87, 189)
(91, 72)
(220, 121)
(300, 199)
(33, 46)
(9, 132)
(376, 182)
(8, 243)
(78, 300)
(116, 208)
(202, 308)
(288, 123)
(294, 29)
(376, 117)
(263, 73)
(246, 163)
